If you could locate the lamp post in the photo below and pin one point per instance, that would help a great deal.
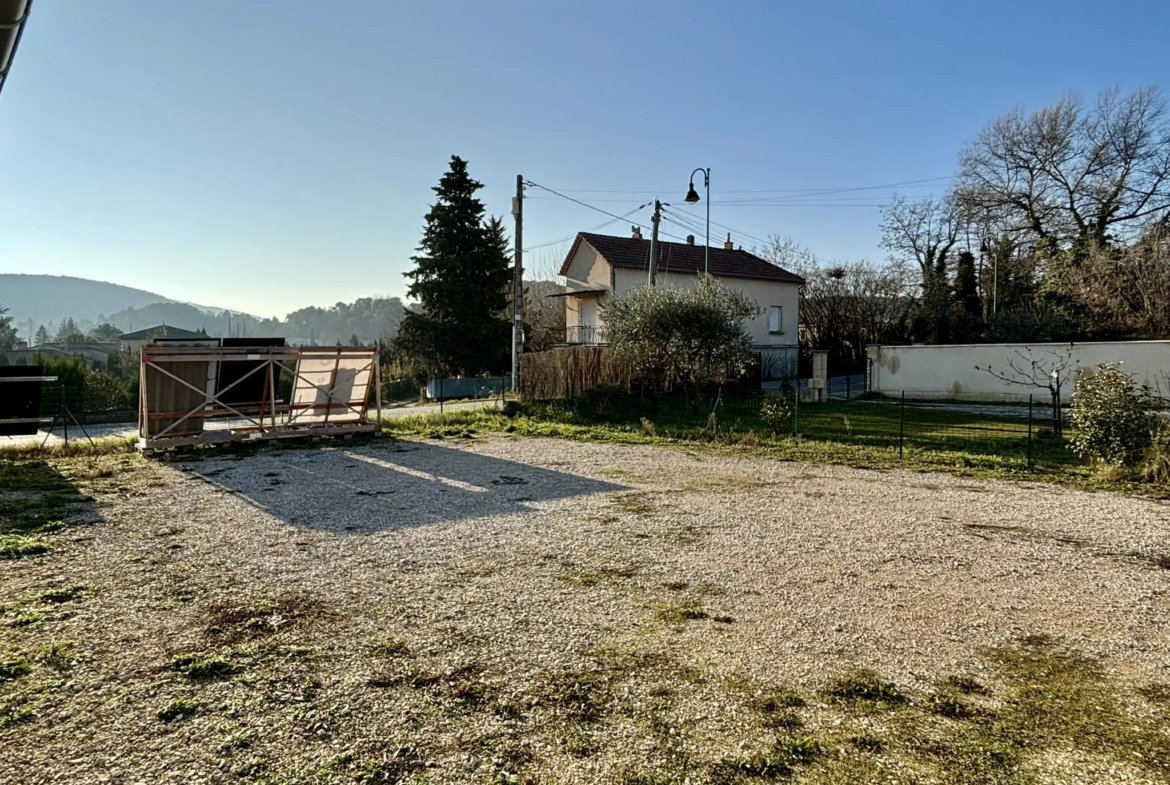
(692, 197)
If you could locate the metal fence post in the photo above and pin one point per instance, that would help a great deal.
(902, 426)
(796, 412)
(1029, 433)
(64, 417)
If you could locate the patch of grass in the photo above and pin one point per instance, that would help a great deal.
(58, 654)
(27, 619)
(946, 704)
(634, 503)
(580, 696)
(13, 669)
(778, 763)
(965, 685)
(675, 585)
(233, 621)
(396, 767)
(867, 743)
(236, 740)
(678, 613)
(390, 647)
(16, 713)
(54, 596)
(178, 709)
(253, 769)
(462, 685)
(864, 686)
(15, 546)
(201, 667)
(1156, 693)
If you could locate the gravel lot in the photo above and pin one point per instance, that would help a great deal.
(459, 611)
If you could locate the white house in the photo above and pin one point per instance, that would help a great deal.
(601, 265)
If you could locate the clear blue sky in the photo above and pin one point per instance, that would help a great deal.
(265, 155)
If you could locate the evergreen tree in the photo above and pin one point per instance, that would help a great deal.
(460, 279)
(105, 332)
(69, 332)
(966, 309)
(8, 334)
(932, 324)
(42, 336)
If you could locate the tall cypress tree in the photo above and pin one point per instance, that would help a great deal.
(967, 316)
(460, 279)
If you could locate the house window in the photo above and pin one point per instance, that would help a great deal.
(776, 319)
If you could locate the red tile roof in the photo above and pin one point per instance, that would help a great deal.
(630, 253)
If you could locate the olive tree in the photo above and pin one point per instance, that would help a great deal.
(690, 336)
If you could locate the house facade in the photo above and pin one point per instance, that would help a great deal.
(600, 266)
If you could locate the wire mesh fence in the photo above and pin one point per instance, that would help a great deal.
(1026, 430)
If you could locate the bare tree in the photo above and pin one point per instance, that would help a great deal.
(1128, 289)
(925, 232)
(1070, 175)
(845, 307)
(1044, 369)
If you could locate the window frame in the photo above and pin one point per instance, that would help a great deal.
(778, 311)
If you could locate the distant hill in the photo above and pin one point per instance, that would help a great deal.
(47, 299)
(50, 298)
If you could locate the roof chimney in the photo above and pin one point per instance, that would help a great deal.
(690, 239)
(728, 245)
(636, 232)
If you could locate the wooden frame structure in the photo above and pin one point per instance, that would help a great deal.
(178, 397)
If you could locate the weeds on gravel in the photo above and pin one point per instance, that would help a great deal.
(234, 621)
(15, 713)
(780, 762)
(200, 667)
(13, 669)
(681, 612)
(864, 686)
(14, 546)
(59, 655)
(178, 709)
(54, 596)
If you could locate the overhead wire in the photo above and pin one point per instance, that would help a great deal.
(591, 207)
(594, 229)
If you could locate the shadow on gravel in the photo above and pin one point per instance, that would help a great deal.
(389, 485)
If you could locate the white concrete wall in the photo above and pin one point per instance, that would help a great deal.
(926, 371)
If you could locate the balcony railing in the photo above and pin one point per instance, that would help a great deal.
(587, 335)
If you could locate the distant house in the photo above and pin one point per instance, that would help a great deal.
(599, 266)
(95, 354)
(139, 338)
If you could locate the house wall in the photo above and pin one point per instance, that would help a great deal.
(765, 293)
(587, 266)
(927, 371)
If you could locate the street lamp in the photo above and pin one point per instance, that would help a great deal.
(692, 197)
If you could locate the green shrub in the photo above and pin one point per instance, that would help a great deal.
(777, 413)
(1112, 417)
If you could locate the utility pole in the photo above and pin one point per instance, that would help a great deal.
(518, 284)
(654, 241)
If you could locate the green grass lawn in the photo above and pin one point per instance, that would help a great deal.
(862, 433)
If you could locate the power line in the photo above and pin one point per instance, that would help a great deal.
(790, 192)
(591, 207)
(594, 229)
(828, 191)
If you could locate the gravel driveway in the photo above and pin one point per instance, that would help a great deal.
(422, 609)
